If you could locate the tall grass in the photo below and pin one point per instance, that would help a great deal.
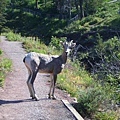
(34, 46)
(12, 36)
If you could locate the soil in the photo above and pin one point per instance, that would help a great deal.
(15, 102)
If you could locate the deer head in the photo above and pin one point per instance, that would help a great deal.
(68, 46)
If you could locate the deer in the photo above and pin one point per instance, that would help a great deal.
(45, 63)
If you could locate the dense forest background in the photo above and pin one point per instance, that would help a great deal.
(94, 25)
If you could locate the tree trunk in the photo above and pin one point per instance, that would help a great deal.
(81, 9)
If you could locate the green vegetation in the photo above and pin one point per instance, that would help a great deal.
(94, 77)
(5, 65)
(74, 78)
(3, 4)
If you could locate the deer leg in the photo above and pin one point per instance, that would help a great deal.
(31, 85)
(28, 81)
(54, 82)
(29, 77)
(31, 90)
(51, 85)
(34, 70)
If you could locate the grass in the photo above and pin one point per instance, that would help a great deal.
(13, 37)
(35, 46)
(74, 78)
(5, 66)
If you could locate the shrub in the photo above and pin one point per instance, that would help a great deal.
(111, 115)
(108, 67)
(97, 99)
(89, 101)
(55, 42)
(93, 22)
(54, 46)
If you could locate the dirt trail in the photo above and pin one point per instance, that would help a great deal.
(15, 103)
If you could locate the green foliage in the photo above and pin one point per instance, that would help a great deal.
(5, 66)
(55, 43)
(13, 37)
(108, 53)
(29, 24)
(105, 17)
(3, 4)
(34, 46)
(74, 78)
(20, 3)
(96, 101)
(93, 22)
(104, 61)
(91, 6)
(90, 100)
(114, 23)
(111, 115)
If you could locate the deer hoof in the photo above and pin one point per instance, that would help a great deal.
(53, 97)
(49, 96)
(35, 98)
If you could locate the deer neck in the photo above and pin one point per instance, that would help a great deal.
(64, 57)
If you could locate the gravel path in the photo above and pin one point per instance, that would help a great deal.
(15, 103)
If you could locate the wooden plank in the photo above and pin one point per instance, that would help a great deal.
(74, 112)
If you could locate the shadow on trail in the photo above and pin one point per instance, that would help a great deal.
(13, 101)
(19, 101)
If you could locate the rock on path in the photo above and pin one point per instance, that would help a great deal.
(15, 103)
